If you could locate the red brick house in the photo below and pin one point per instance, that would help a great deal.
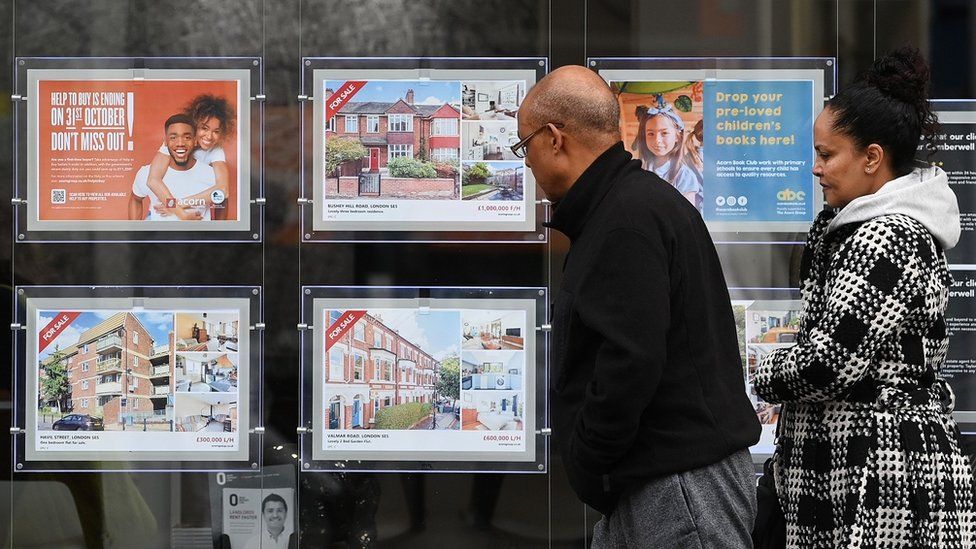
(373, 367)
(117, 359)
(402, 128)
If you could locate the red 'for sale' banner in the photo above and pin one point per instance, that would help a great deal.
(341, 326)
(54, 328)
(342, 96)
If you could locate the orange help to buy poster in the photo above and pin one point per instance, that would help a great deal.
(95, 135)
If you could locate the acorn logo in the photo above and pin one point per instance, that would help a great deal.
(789, 195)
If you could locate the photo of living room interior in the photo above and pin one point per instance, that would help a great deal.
(492, 411)
(213, 331)
(491, 370)
(206, 372)
(206, 412)
(491, 100)
(489, 140)
(493, 330)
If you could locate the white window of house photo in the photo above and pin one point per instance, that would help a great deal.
(359, 332)
(352, 123)
(84, 403)
(337, 364)
(377, 339)
(358, 367)
(385, 370)
(133, 381)
(85, 348)
(84, 367)
(444, 126)
(135, 338)
(330, 125)
(135, 362)
(396, 151)
(372, 123)
(71, 359)
(444, 154)
(400, 122)
(84, 384)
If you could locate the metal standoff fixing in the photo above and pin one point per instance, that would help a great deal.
(258, 430)
(18, 201)
(261, 201)
(259, 97)
(302, 326)
(17, 326)
(302, 430)
(545, 431)
(16, 431)
(258, 326)
(545, 328)
(303, 200)
(303, 97)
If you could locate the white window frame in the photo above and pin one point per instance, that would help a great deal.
(359, 332)
(437, 129)
(358, 366)
(399, 123)
(354, 127)
(135, 362)
(377, 339)
(437, 155)
(341, 366)
(84, 403)
(372, 123)
(330, 124)
(84, 367)
(84, 384)
(397, 151)
(135, 338)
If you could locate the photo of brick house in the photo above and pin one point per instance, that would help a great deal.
(418, 121)
(384, 373)
(119, 369)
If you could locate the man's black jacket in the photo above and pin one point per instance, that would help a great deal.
(647, 375)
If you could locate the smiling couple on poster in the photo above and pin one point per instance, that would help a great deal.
(188, 178)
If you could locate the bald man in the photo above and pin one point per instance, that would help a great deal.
(649, 406)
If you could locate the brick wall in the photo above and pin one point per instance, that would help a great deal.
(400, 187)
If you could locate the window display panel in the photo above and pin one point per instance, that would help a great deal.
(954, 147)
(254, 509)
(420, 149)
(733, 136)
(154, 380)
(453, 381)
(159, 152)
(960, 365)
(767, 321)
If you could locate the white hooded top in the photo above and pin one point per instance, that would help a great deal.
(923, 195)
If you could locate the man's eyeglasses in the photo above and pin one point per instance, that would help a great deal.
(518, 149)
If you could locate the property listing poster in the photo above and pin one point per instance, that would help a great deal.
(741, 151)
(960, 365)
(956, 154)
(445, 381)
(138, 154)
(423, 154)
(254, 510)
(138, 381)
(762, 327)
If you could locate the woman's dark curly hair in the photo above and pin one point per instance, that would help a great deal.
(205, 106)
(889, 105)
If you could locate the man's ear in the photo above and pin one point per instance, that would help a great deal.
(557, 139)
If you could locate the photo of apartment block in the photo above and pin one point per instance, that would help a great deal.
(119, 370)
(213, 331)
(211, 412)
(492, 411)
(383, 373)
(386, 121)
(493, 330)
(492, 370)
(491, 100)
(489, 140)
(492, 180)
(206, 372)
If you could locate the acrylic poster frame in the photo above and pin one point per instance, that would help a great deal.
(247, 71)
(821, 71)
(534, 458)
(316, 70)
(755, 304)
(247, 300)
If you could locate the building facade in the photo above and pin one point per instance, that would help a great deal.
(370, 368)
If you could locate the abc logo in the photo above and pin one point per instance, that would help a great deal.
(217, 196)
(789, 195)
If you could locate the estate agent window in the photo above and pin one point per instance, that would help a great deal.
(401, 122)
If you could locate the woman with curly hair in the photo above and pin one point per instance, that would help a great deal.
(868, 453)
(214, 118)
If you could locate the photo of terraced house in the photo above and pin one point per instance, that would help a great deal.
(395, 140)
(394, 369)
(110, 370)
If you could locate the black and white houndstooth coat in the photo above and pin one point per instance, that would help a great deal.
(868, 455)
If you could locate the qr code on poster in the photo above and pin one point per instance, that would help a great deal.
(58, 196)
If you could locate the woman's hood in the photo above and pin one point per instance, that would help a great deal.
(923, 195)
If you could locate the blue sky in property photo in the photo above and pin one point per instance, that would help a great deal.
(425, 92)
(438, 333)
(158, 324)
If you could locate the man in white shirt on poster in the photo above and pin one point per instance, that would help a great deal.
(274, 513)
(184, 177)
